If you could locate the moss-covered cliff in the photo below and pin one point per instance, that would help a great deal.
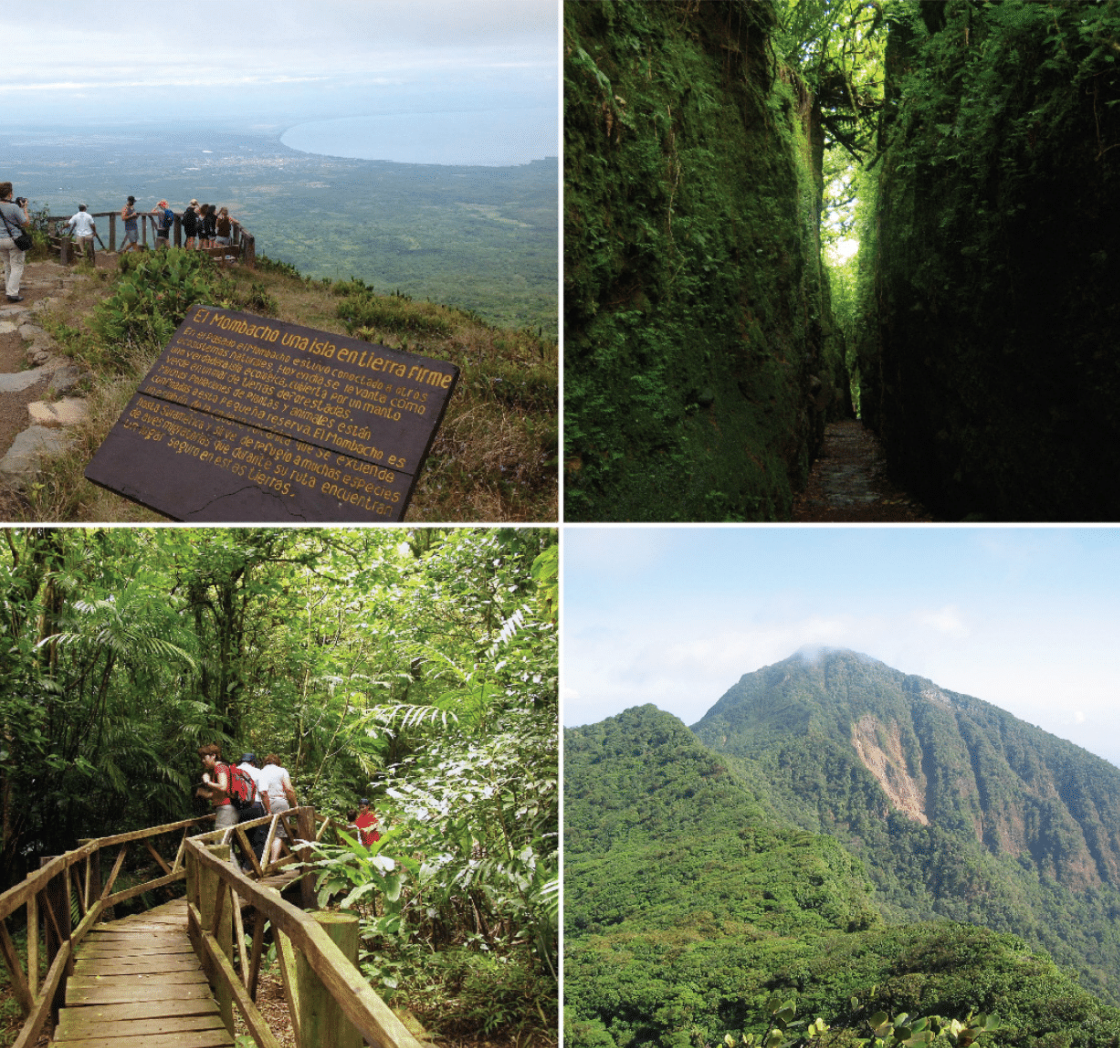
(990, 369)
(700, 357)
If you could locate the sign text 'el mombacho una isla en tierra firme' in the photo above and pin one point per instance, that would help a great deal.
(243, 418)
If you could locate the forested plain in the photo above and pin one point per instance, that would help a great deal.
(483, 239)
(695, 915)
(417, 668)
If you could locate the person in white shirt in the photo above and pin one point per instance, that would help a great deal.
(84, 229)
(276, 785)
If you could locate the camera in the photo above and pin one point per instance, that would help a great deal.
(21, 201)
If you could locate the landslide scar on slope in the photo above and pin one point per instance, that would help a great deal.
(889, 766)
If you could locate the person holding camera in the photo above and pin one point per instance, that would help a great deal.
(14, 241)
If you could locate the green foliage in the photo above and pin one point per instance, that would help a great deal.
(998, 848)
(151, 298)
(997, 188)
(695, 309)
(691, 912)
(482, 239)
(365, 311)
(417, 667)
(470, 862)
(885, 1031)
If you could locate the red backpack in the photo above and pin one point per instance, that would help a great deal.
(242, 788)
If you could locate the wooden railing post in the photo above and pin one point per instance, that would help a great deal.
(57, 927)
(306, 827)
(321, 1019)
(93, 872)
(112, 231)
(33, 944)
(210, 888)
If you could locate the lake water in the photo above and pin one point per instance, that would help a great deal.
(495, 138)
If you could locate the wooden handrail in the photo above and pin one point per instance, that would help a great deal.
(240, 238)
(365, 1010)
(94, 899)
(361, 1005)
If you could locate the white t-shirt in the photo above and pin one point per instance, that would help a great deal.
(82, 224)
(271, 779)
(254, 774)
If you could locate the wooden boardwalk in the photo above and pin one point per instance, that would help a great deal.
(138, 983)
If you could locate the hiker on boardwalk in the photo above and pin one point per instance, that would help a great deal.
(221, 782)
(163, 224)
(84, 229)
(279, 795)
(215, 786)
(14, 219)
(131, 218)
(258, 835)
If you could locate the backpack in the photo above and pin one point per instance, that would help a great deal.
(242, 789)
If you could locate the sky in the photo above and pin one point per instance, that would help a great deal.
(274, 63)
(1025, 618)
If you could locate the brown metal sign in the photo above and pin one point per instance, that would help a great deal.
(244, 418)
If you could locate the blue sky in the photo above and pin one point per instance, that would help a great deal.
(273, 63)
(1025, 618)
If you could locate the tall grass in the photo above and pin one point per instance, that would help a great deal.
(493, 459)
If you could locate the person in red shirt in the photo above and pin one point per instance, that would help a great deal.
(215, 785)
(366, 822)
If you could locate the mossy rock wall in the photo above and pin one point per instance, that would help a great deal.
(991, 368)
(700, 358)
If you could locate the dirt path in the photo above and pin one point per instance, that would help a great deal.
(848, 483)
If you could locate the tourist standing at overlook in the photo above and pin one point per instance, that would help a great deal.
(14, 220)
(163, 226)
(190, 225)
(200, 226)
(84, 229)
(276, 786)
(223, 228)
(131, 218)
(211, 224)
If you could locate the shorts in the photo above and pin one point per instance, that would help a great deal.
(131, 236)
(279, 805)
(225, 816)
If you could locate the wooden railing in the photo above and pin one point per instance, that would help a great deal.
(329, 1001)
(49, 892)
(242, 243)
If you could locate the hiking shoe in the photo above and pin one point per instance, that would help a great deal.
(15, 298)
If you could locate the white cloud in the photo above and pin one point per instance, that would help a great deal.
(947, 620)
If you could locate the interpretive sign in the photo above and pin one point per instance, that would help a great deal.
(243, 418)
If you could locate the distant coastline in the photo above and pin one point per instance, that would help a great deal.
(492, 138)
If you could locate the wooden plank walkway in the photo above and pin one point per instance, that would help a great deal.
(138, 984)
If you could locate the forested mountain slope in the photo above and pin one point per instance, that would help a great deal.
(686, 907)
(957, 808)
